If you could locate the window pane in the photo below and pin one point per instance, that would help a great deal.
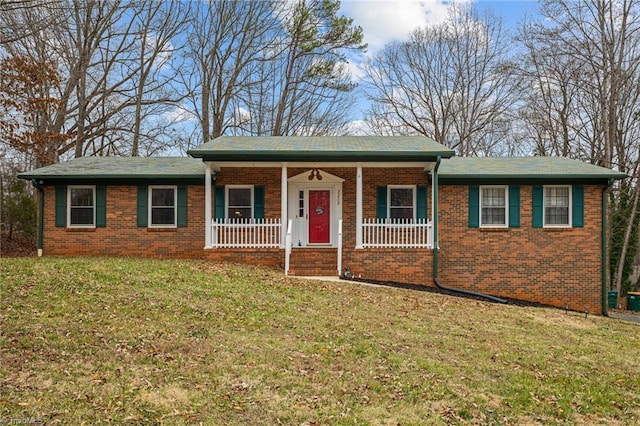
(401, 197)
(81, 216)
(162, 197)
(556, 197)
(82, 197)
(401, 212)
(493, 197)
(493, 216)
(239, 212)
(557, 215)
(240, 197)
(162, 216)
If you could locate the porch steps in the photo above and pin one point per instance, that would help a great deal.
(314, 261)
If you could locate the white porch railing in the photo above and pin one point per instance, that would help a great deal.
(397, 233)
(245, 233)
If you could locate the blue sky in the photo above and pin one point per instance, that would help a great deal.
(385, 20)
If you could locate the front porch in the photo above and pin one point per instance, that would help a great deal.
(333, 196)
(314, 259)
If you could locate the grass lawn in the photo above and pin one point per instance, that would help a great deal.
(124, 341)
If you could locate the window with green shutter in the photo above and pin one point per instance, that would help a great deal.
(239, 202)
(558, 206)
(494, 206)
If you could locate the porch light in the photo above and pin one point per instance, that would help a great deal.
(315, 173)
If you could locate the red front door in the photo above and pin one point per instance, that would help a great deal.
(319, 216)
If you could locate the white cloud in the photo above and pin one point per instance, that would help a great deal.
(387, 20)
(179, 115)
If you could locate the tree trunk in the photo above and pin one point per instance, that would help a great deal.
(627, 238)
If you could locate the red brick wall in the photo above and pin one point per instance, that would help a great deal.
(122, 236)
(385, 264)
(550, 266)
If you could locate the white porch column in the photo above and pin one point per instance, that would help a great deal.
(433, 194)
(359, 207)
(284, 195)
(207, 206)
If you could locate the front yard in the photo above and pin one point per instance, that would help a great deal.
(107, 340)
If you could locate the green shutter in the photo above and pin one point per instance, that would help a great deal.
(143, 205)
(578, 206)
(101, 206)
(421, 201)
(537, 196)
(381, 202)
(514, 206)
(218, 203)
(474, 206)
(258, 202)
(61, 206)
(182, 206)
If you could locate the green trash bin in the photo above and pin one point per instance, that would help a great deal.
(612, 297)
(633, 301)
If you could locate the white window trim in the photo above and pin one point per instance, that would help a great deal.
(413, 188)
(506, 206)
(544, 207)
(175, 206)
(226, 198)
(71, 187)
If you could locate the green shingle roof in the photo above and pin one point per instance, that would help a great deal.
(120, 168)
(523, 168)
(451, 169)
(321, 148)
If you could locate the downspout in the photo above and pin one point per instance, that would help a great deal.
(436, 246)
(434, 182)
(40, 215)
(604, 246)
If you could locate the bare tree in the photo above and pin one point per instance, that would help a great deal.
(582, 73)
(448, 82)
(157, 28)
(312, 78)
(226, 38)
(110, 56)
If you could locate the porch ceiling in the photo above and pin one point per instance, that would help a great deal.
(321, 149)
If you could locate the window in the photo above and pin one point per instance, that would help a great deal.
(557, 202)
(81, 209)
(162, 206)
(239, 202)
(493, 206)
(402, 202)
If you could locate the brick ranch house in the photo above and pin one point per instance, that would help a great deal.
(532, 229)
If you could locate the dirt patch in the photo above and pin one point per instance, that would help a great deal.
(19, 245)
